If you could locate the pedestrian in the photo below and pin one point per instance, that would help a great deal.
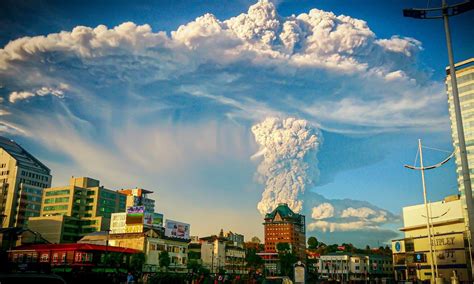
(130, 279)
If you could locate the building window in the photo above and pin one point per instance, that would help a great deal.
(44, 257)
(78, 257)
(57, 192)
(54, 208)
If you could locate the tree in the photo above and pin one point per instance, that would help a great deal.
(312, 243)
(287, 258)
(137, 261)
(164, 259)
(283, 247)
(255, 240)
(194, 265)
(253, 260)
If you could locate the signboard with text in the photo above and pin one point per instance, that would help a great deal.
(118, 223)
(442, 242)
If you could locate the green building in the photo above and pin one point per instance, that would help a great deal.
(69, 212)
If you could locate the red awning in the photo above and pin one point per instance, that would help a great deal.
(73, 247)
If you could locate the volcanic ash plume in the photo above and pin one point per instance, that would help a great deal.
(289, 147)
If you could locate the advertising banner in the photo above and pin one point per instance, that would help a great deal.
(148, 219)
(117, 223)
(174, 229)
(135, 215)
(157, 220)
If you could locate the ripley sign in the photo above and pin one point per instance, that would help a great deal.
(443, 242)
(448, 241)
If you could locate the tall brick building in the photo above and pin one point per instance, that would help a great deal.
(283, 225)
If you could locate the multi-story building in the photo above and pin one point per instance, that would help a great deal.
(150, 240)
(139, 197)
(213, 253)
(283, 225)
(346, 267)
(236, 239)
(22, 180)
(234, 259)
(449, 244)
(69, 212)
(31, 257)
(465, 80)
(223, 252)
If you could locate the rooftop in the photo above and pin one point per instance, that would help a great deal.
(22, 156)
(284, 211)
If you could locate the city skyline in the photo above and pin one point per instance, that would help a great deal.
(185, 107)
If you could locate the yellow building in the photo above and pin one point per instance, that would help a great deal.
(465, 80)
(71, 211)
(411, 255)
(22, 180)
(152, 241)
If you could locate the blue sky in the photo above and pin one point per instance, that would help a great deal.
(167, 102)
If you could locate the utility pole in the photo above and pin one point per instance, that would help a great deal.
(446, 12)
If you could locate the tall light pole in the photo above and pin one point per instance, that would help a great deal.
(444, 12)
(422, 168)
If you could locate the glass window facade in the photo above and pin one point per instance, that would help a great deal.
(58, 192)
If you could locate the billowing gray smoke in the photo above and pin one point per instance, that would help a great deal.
(289, 147)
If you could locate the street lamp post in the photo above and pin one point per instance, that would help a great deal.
(446, 12)
(422, 168)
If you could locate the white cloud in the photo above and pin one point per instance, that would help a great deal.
(143, 101)
(322, 211)
(408, 46)
(346, 215)
(18, 96)
(43, 91)
(318, 49)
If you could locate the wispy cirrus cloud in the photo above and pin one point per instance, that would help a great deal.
(129, 99)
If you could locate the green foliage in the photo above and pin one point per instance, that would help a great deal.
(194, 265)
(287, 260)
(253, 260)
(283, 247)
(313, 243)
(136, 262)
(194, 255)
(164, 259)
(113, 259)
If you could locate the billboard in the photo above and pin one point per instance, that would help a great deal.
(135, 215)
(157, 220)
(153, 219)
(117, 223)
(174, 229)
(148, 219)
